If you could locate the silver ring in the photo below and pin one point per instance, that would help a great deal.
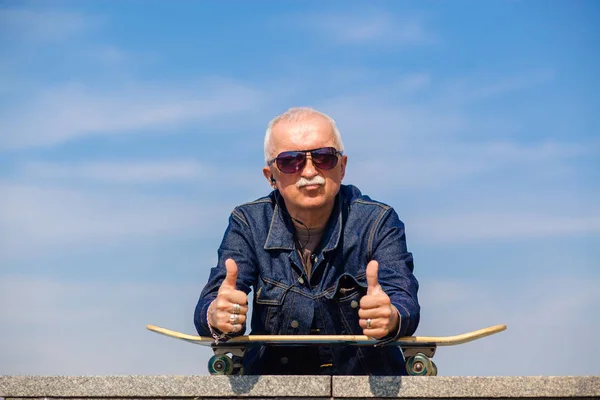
(234, 328)
(236, 308)
(368, 323)
(234, 319)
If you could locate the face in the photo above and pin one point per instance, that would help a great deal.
(312, 132)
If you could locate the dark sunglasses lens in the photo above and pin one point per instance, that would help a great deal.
(291, 161)
(325, 158)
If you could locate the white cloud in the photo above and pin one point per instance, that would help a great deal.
(112, 59)
(412, 82)
(478, 88)
(431, 110)
(366, 28)
(42, 25)
(119, 171)
(379, 119)
(38, 220)
(423, 164)
(471, 227)
(68, 112)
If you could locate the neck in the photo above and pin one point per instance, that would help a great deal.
(313, 218)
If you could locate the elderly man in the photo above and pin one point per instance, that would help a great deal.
(320, 257)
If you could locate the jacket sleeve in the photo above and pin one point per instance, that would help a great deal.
(236, 244)
(395, 273)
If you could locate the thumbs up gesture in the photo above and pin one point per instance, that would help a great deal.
(228, 311)
(377, 315)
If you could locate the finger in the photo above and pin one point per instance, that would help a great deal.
(224, 327)
(242, 310)
(376, 312)
(232, 273)
(228, 327)
(236, 297)
(226, 318)
(227, 298)
(376, 323)
(239, 319)
(372, 281)
(378, 328)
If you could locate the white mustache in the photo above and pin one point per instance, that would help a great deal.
(317, 180)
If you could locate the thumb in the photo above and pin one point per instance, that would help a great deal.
(372, 281)
(232, 273)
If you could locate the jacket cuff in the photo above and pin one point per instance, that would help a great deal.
(200, 318)
(405, 322)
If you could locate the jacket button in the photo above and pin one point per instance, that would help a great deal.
(354, 304)
(301, 280)
(294, 324)
(284, 360)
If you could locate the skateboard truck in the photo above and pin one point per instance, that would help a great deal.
(418, 360)
(222, 364)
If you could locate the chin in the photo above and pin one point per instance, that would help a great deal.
(314, 202)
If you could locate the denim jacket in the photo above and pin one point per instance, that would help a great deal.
(286, 301)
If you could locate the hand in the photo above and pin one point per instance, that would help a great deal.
(377, 307)
(221, 312)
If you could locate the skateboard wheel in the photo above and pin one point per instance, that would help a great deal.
(419, 365)
(433, 369)
(220, 365)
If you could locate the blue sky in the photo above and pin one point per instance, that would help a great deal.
(129, 130)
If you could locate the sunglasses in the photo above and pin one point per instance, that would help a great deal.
(290, 162)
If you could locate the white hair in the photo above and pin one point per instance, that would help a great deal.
(295, 114)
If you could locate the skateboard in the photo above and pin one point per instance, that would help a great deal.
(418, 350)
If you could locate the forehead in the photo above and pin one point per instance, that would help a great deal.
(310, 132)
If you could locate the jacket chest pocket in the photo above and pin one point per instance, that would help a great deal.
(269, 303)
(347, 296)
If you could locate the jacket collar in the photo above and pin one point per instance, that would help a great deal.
(281, 230)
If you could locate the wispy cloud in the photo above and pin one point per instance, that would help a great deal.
(115, 58)
(479, 86)
(367, 28)
(449, 162)
(119, 172)
(471, 227)
(64, 113)
(42, 25)
(43, 220)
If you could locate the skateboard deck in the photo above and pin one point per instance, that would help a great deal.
(417, 350)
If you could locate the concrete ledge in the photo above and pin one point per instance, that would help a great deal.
(296, 387)
(165, 386)
(436, 387)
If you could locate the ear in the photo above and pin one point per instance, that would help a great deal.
(268, 175)
(343, 162)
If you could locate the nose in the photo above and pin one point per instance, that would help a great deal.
(309, 169)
